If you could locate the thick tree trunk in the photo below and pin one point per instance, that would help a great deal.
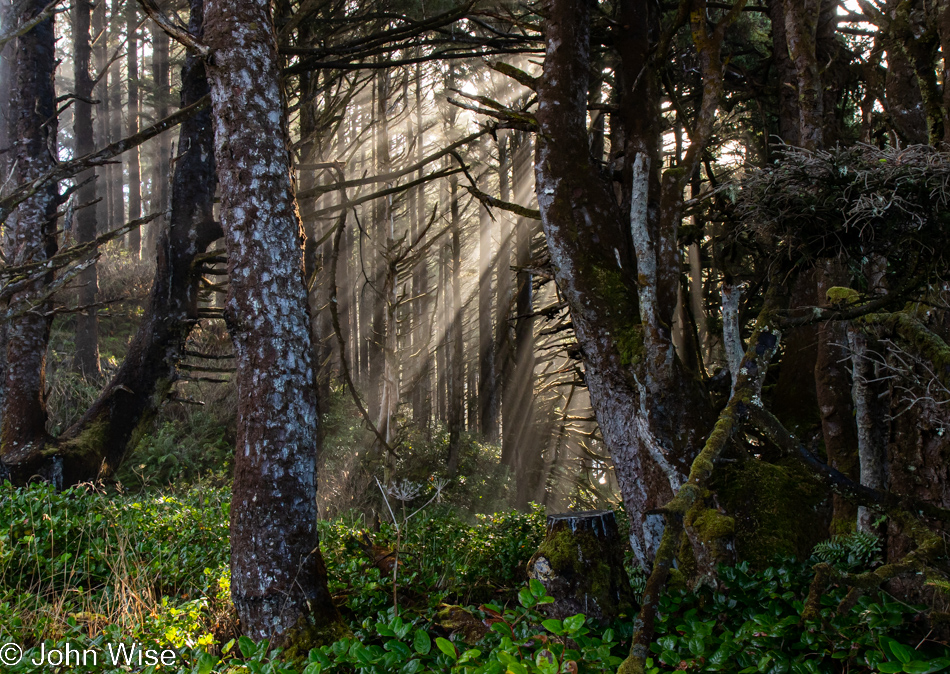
(278, 579)
(834, 397)
(134, 240)
(652, 413)
(580, 564)
(32, 237)
(7, 79)
(902, 97)
(86, 359)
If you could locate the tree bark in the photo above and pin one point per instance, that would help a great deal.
(422, 305)
(788, 116)
(620, 274)
(134, 240)
(114, 171)
(487, 384)
(801, 26)
(278, 579)
(101, 57)
(834, 397)
(160, 81)
(503, 285)
(7, 79)
(86, 359)
(456, 380)
(32, 236)
(518, 392)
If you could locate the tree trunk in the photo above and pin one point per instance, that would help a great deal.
(871, 411)
(503, 283)
(86, 359)
(278, 579)
(32, 237)
(901, 98)
(160, 80)
(518, 395)
(580, 564)
(652, 414)
(7, 79)
(801, 27)
(101, 57)
(134, 240)
(527, 448)
(788, 117)
(456, 365)
(422, 305)
(384, 367)
(834, 397)
(114, 171)
(487, 384)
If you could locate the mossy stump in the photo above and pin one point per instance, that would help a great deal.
(580, 563)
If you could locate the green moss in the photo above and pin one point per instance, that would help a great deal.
(676, 580)
(308, 634)
(712, 525)
(614, 290)
(630, 344)
(838, 296)
(457, 620)
(580, 555)
(89, 445)
(675, 173)
(777, 510)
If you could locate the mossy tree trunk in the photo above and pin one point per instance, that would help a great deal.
(618, 264)
(580, 563)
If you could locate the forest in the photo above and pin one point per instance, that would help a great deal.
(475, 336)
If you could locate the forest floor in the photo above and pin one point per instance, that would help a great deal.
(88, 569)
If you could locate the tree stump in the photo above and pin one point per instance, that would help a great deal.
(580, 563)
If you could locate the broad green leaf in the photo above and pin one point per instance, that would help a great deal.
(421, 642)
(446, 647)
(574, 623)
(903, 653)
(247, 647)
(553, 626)
(399, 648)
(526, 598)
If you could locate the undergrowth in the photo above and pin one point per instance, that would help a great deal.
(91, 569)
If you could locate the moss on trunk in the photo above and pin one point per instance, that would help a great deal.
(780, 510)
